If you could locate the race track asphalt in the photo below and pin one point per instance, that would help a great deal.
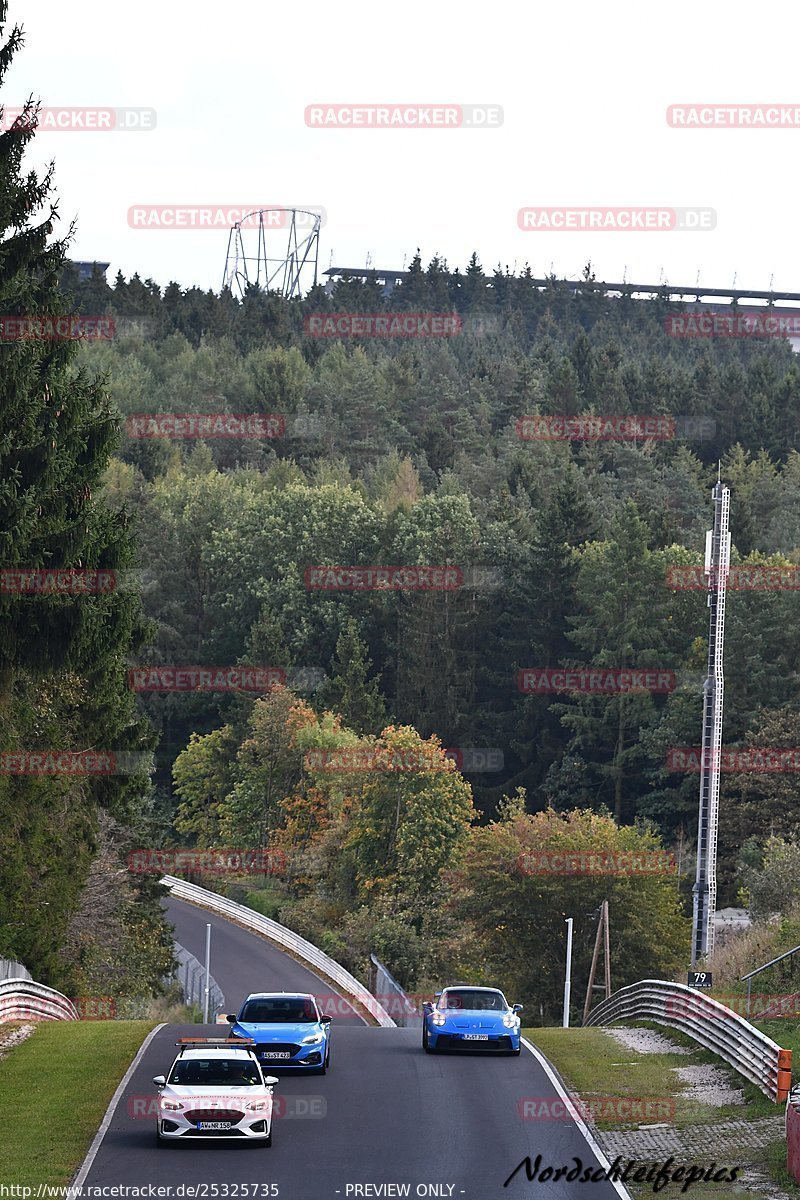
(445, 1125)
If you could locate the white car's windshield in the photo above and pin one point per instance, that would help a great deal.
(221, 1072)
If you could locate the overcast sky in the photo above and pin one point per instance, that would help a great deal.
(584, 88)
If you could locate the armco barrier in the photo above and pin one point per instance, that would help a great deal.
(24, 1000)
(711, 1024)
(283, 937)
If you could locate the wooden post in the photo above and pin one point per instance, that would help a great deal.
(604, 933)
(593, 969)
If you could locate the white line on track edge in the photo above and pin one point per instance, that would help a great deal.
(112, 1104)
(599, 1154)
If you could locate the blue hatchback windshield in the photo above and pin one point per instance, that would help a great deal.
(279, 1009)
(473, 1001)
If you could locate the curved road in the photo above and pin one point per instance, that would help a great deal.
(385, 1114)
(242, 963)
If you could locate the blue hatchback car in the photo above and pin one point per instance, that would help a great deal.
(289, 1031)
(471, 1018)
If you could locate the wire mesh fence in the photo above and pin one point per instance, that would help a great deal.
(392, 997)
(191, 975)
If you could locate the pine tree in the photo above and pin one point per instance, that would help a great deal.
(349, 691)
(56, 429)
(62, 657)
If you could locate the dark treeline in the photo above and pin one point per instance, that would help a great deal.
(406, 451)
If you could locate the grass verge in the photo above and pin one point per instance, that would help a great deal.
(54, 1090)
(598, 1068)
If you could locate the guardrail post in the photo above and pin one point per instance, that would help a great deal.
(784, 1074)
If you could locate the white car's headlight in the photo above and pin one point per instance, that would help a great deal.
(439, 1018)
(313, 1039)
(172, 1105)
(257, 1106)
(511, 1020)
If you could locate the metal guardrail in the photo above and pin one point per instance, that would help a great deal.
(395, 1001)
(713, 1025)
(25, 1000)
(9, 969)
(309, 954)
(191, 975)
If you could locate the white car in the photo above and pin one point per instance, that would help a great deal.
(215, 1090)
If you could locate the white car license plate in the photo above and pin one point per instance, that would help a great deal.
(213, 1124)
(276, 1054)
(476, 1037)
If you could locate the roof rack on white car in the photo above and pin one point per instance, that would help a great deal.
(188, 1042)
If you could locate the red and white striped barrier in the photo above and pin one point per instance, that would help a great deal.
(25, 1000)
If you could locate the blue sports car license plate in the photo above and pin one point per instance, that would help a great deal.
(476, 1037)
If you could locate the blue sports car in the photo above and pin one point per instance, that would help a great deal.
(288, 1029)
(471, 1018)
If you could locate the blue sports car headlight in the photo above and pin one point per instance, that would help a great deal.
(511, 1020)
(439, 1018)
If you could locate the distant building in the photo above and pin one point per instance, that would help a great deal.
(729, 921)
(85, 269)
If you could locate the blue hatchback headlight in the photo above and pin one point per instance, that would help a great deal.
(313, 1039)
